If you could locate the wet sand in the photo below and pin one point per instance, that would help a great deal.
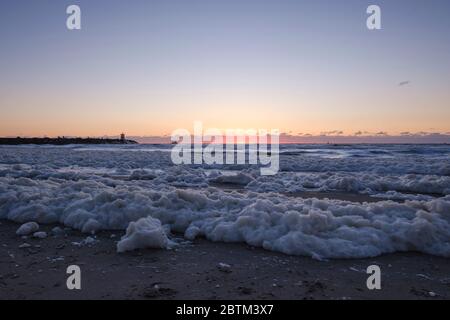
(192, 272)
(343, 196)
(321, 195)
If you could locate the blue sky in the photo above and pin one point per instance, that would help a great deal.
(148, 67)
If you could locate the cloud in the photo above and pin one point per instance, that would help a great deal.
(426, 133)
(362, 133)
(336, 136)
(404, 83)
(332, 133)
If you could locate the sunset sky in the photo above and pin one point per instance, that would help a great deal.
(147, 67)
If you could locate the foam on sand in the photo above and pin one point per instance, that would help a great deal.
(144, 194)
(27, 228)
(325, 228)
(144, 233)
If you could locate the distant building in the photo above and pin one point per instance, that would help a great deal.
(122, 137)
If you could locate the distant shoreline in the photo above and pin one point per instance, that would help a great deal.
(62, 141)
(68, 141)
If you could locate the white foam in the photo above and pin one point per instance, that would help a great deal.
(145, 185)
(88, 241)
(27, 228)
(144, 233)
(40, 235)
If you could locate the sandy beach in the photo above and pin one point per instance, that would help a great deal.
(192, 271)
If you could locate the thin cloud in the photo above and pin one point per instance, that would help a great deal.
(404, 83)
(332, 133)
(362, 133)
(335, 136)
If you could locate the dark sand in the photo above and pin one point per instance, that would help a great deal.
(191, 272)
(343, 196)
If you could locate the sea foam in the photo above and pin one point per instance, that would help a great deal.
(144, 194)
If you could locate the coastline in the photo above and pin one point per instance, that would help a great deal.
(61, 141)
